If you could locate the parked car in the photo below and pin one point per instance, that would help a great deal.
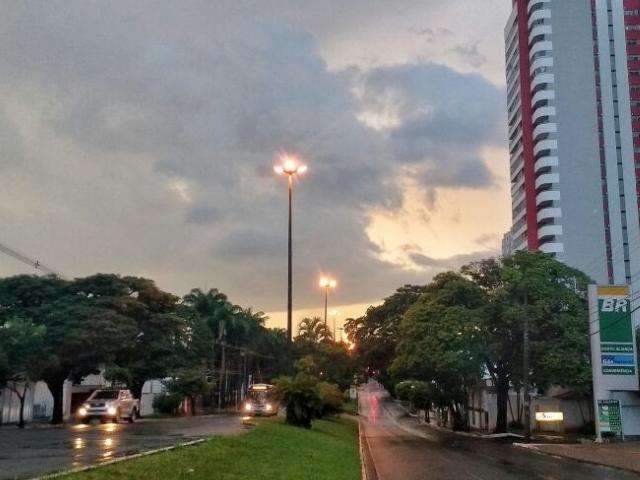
(261, 400)
(109, 405)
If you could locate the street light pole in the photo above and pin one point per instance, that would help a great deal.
(290, 264)
(327, 283)
(326, 302)
(290, 167)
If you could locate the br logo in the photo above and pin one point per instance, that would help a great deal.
(613, 304)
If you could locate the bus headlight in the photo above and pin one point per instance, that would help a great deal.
(268, 407)
(248, 407)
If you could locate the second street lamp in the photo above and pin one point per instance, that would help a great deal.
(327, 283)
(290, 167)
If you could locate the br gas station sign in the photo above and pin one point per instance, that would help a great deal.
(613, 353)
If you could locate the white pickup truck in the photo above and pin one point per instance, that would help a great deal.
(109, 405)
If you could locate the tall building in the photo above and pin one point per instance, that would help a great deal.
(573, 101)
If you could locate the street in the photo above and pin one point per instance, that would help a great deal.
(402, 449)
(39, 450)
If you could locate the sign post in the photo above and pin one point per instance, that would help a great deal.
(613, 353)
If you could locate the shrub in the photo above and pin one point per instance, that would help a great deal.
(331, 399)
(403, 390)
(167, 403)
(418, 394)
(301, 398)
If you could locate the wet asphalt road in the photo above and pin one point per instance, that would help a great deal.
(404, 450)
(39, 450)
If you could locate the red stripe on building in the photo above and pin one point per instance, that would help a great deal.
(527, 126)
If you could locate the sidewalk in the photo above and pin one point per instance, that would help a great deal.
(625, 456)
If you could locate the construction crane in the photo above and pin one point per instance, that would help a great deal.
(28, 261)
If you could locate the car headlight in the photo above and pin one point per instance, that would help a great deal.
(111, 410)
(82, 411)
(248, 407)
(268, 407)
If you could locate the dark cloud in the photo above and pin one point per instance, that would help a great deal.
(203, 215)
(250, 244)
(446, 118)
(122, 100)
(451, 263)
(471, 54)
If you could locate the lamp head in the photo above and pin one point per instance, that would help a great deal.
(289, 165)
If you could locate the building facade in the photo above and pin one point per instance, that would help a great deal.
(573, 103)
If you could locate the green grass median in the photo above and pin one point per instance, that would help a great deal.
(272, 450)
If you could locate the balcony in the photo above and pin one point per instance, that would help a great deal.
(541, 96)
(542, 62)
(544, 145)
(547, 179)
(544, 129)
(534, 3)
(552, 247)
(547, 213)
(545, 162)
(517, 186)
(548, 196)
(543, 46)
(543, 112)
(544, 14)
(516, 170)
(549, 231)
(542, 79)
(539, 30)
(514, 141)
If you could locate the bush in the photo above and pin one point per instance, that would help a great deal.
(419, 394)
(167, 403)
(301, 398)
(403, 390)
(331, 399)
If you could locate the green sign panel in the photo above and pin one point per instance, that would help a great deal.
(616, 333)
(609, 416)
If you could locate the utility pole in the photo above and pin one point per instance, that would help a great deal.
(221, 380)
(525, 369)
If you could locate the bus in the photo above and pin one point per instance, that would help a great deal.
(261, 400)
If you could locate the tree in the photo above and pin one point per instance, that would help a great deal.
(301, 398)
(20, 344)
(188, 383)
(311, 331)
(273, 353)
(375, 335)
(552, 297)
(439, 342)
(155, 349)
(82, 331)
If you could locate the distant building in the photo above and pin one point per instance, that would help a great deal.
(573, 102)
(39, 401)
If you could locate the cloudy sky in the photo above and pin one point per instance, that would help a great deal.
(139, 137)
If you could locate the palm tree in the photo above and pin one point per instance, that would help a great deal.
(313, 330)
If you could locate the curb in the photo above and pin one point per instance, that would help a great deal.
(533, 448)
(70, 471)
(367, 465)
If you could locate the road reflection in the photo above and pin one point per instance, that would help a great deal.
(94, 442)
(373, 407)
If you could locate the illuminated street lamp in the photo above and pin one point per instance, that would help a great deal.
(327, 283)
(290, 167)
